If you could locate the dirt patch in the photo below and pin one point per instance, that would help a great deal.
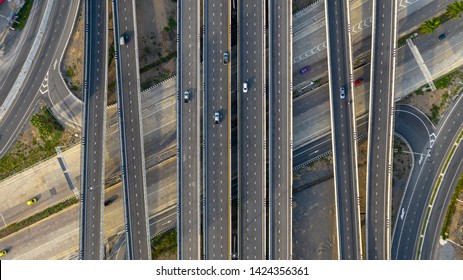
(435, 103)
(301, 4)
(157, 31)
(73, 60)
(362, 177)
(314, 212)
(112, 97)
(402, 164)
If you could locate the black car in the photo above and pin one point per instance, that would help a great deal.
(442, 36)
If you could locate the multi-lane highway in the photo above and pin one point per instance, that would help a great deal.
(280, 129)
(54, 40)
(94, 134)
(188, 130)
(432, 234)
(217, 132)
(131, 130)
(343, 128)
(251, 130)
(381, 130)
(416, 199)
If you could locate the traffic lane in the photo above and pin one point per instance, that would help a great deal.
(380, 134)
(133, 149)
(14, 59)
(251, 157)
(94, 158)
(440, 206)
(217, 134)
(407, 230)
(281, 126)
(413, 126)
(189, 150)
(23, 107)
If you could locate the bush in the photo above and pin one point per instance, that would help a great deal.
(165, 243)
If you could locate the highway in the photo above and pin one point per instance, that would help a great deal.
(217, 136)
(131, 131)
(94, 133)
(280, 130)
(188, 130)
(343, 128)
(251, 130)
(381, 130)
(432, 234)
(416, 199)
(53, 41)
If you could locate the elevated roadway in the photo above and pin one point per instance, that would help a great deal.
(131, 131)
(280, 130)
(94, 133)
(217, 136)
(251, 130)
(381, 130)
(343, 128)
(188, 130)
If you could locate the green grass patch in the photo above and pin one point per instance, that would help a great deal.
(37, 217)
(403, 40)
(162, 60)
(444, 81)
(111, 54)
(23, 15)
(164, 244)
(452, 208)
(23, 155)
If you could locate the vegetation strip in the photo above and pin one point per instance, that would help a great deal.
(452, 208)
(165, 243)
(37, 217)
(23, 15)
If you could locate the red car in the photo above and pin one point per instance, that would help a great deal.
(358, 81)
(305, 69)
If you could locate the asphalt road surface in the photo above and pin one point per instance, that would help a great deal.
(188, 127)
(381, 130)
(280, 118)
(93, 152)
(131, 132)
(415, 202)
(251, 130)
(343, 128)
(217, 137)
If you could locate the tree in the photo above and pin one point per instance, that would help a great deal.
(454, 10)
(429, 26)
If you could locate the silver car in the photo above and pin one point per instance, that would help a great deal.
(343, 93)
(217, 117)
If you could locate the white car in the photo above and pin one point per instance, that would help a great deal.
(187, 96)
(217, 117)
(245, 87)
(343, 93)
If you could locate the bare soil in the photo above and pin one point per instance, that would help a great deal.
(157, 31)
(314, 212)
(441, 98)
(300, 4)
(362, 177)
(73, 59)
(402, 164)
